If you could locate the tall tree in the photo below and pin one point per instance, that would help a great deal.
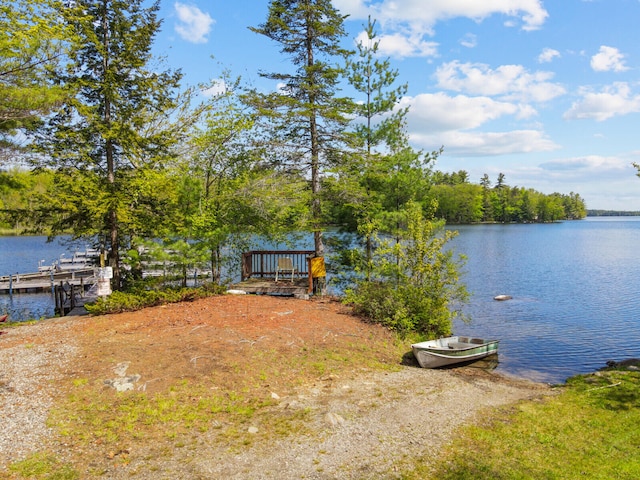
(237, 196)
(32, 43)
(307, 115)
(116, 125)
(487, 208)
(378, 125)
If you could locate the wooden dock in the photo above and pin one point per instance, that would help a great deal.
(260, 267)
(45, 281)
(268, 286)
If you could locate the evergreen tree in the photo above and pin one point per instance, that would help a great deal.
(116, 127)
(306, 116)
(487, 209)
(377, 127)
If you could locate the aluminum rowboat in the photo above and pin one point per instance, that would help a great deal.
(452, 350)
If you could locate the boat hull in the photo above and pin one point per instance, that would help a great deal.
(453, 350)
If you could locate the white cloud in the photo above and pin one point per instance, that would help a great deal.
(603, 181)
(194, 24)
(437, 112)
(397, 45)
(407, 22)
(478, 144)
(548, 55)
(608, 59)
(613, 100)
(469, 40)
(423, 16)
(217, 87)
(589, 164)
(355, 8)
(438, 119)
(507, 81)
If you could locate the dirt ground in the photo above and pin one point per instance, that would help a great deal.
(369, 420)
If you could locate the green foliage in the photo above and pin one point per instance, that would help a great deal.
(43, 466)
(588, 431)
(305, 119)
(462, 202)
(136, 300)
(19, 199)
(228, 194)
(415, 283)
(32, 43)
(113, 138)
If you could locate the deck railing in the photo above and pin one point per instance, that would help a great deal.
(263, 263)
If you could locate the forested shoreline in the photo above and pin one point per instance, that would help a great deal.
(459, 201)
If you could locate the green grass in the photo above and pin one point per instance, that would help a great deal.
(588, 431)
(41, 466)
(224, 406)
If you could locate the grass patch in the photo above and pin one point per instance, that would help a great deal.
(42, 466)
(589, 431)
(233, 405)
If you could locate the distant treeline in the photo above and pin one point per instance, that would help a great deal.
(460, 201)
(611, 213)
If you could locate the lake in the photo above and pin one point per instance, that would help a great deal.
(23, 255)
(576, 302)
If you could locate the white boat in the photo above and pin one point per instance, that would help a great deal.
(453, 350)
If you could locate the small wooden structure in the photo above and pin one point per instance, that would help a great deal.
(259, 268)
(45, 281)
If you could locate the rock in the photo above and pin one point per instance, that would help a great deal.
(121, 368)
(253, 430)
(502, 298)
(334, 419)
(123, 384)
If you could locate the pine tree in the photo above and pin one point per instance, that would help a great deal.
(378, 128)
(115, 127)
(307, 117)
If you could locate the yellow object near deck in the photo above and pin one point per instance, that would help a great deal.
(318, 268)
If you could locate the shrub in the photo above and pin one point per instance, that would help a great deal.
(135, 300)
(415, 282)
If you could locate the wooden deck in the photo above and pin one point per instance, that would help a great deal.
(266, 286)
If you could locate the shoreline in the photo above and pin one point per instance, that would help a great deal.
(364, 420)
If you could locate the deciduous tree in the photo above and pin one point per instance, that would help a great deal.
(32, 43)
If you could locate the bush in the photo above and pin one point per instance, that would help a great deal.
(415, 280)
(405, 309)
(135, 300)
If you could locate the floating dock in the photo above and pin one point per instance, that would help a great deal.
(45, 281)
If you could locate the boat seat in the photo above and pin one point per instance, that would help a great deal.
(453, 345)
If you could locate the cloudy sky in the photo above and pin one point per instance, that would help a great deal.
(546, 92)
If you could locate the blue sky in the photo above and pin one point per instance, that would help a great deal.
(546, 92)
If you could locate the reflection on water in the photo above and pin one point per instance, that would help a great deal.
(27, 306)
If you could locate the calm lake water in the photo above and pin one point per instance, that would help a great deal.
(22, 255)
(575, 288)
